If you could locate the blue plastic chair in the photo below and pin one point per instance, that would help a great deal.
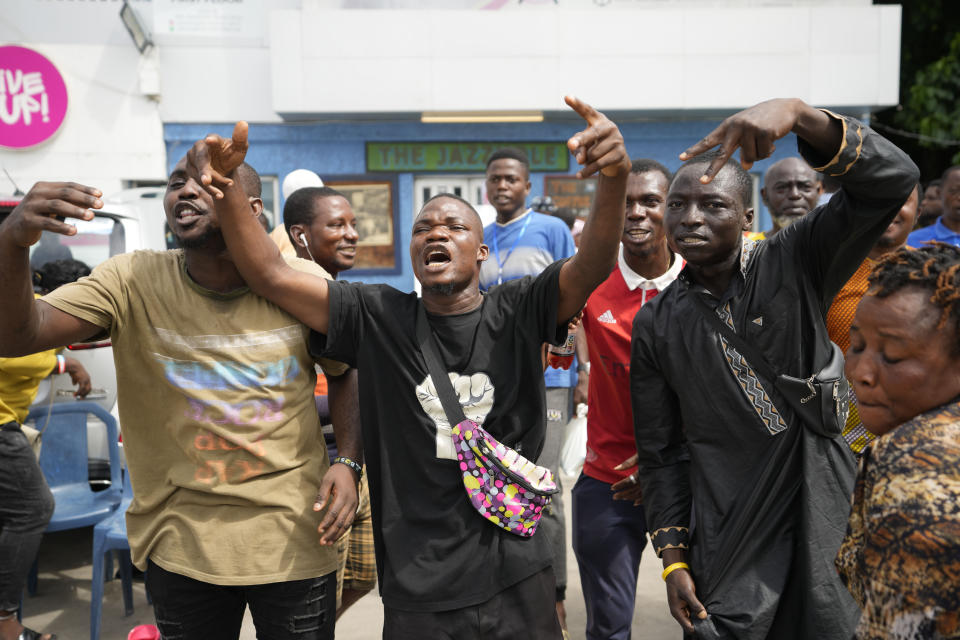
(111, 535)
(63, 459)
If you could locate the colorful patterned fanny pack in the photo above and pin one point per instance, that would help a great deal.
(503, 486)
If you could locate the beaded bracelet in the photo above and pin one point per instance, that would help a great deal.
(673, 567)
(350, 463)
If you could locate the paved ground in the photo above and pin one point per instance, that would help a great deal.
(63, 602)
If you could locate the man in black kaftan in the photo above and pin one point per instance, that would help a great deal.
(735, 485)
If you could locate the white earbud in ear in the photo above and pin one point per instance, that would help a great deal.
(306, 245)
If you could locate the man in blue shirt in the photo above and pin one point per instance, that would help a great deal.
(947, 227)
(523, 243)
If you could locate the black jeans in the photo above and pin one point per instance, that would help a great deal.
(187, 609)
(26, 506)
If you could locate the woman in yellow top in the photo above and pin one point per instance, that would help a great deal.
(26, 503)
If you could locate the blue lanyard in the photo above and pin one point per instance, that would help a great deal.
(496, 246)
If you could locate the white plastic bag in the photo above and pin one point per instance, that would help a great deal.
(573, 450)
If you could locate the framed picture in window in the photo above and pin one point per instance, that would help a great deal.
(373, 200)
(571, 192)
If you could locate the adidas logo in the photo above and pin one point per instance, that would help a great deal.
(607, 317)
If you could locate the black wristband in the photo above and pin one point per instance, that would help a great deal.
(350, 463)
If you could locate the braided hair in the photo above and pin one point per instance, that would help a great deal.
(934, 267)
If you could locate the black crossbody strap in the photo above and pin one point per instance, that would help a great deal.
(757, 361)
(438, 372)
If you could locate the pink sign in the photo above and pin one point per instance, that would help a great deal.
(33, 98)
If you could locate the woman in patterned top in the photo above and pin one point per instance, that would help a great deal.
(901, 556)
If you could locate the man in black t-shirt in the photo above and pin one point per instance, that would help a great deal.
(444, 571)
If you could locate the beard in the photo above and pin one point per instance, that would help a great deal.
(446, 289)
(642, 253)
(199, 242)
(784, 221)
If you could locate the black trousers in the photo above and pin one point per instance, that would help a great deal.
(524, 610)
(25, 509)
(188, 609)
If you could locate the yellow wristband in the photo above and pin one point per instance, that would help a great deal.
(673, 567)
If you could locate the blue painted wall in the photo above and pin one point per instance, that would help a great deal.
(333, 149)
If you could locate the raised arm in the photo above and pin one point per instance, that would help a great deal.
(598, 148)
(755, 130)
(28, 325)
(876, 179)
(213, 161)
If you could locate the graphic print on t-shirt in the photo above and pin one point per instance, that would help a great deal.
(228, 382)
(475, 393)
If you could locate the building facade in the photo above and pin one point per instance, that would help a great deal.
(394, 101)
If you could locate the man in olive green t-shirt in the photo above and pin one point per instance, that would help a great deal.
(221, 435)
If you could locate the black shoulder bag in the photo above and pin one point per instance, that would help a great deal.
(822, 401)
